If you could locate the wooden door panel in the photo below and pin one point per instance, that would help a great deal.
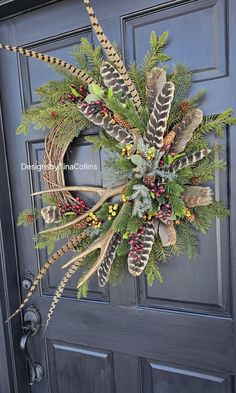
(197, 37)
(174, 337)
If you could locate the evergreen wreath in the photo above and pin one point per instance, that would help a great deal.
(158, 160)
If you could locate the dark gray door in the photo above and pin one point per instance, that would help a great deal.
(178, 337)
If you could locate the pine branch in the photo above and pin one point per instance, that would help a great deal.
(151, 271)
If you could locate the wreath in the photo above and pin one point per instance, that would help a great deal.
(158, 160)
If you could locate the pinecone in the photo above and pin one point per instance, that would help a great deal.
(54, 114)
(147, 180)
(121, 122)
(196, 180)
(169, 138)
(184, 105)
(29, 218)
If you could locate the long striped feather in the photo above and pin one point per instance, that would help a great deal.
(185, 129)
(67, 247)
(112, 54)
(138, 261)
(156, 79)
(191, 159)
(197, 196)
(114, 130)
(158, 119)
(51, 60)
(114, 80)
(104, 270)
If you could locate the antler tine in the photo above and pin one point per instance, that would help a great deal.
(102, 244)
(103, 193)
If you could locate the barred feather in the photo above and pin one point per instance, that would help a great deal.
(60, 289)
(158, 119)
(114, 130)
(138, 262)
(167, 234)
(67, 247)
(104, 270)
(197, 196)
(156, 80)
(112, 54)
(114, 80)
(191, 159)
(50, 214)
(51, 60)
(184, 130)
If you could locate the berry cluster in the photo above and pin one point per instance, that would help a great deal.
(127, 150)
(158, 190)
(79, 208)
(136, 245)
(165, 212)
(95, 107)
(151, 153)
(112, 210)
(93, 221)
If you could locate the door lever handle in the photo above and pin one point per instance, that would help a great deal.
(31, 326)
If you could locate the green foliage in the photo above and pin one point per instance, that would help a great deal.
(152, 271)
(204, 215)
(121, 220)
(175, 192)
(187, 239)
(102, 213)
(87, 264)
(141, 200)
(27, 217)
(134, 224)
(103, 141)
(117, 170)
(118, 269)
(217, 123)
(122, 248)
(89, 58)
(153, 58)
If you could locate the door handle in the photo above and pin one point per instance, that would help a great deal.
(31, 326)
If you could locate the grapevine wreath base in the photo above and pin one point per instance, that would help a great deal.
(158, 163)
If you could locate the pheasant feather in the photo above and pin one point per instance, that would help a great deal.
(137, 261)
(156, 80)
(105, 268)
(67, 247)
(51, 60)
(112, 54)
(60, 288)
(112, 79)
(197, 196)
(191, 159)
(184, 130)
(167, 234)
(158, 120)
(114, 130)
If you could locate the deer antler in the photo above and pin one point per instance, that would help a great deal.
(103, 245)
(104, 194)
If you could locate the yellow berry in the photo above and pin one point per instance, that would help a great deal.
(113, 214)
(115, 207)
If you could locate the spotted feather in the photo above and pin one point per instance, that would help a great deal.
(114, 80)
(114, 130)
(191, 159)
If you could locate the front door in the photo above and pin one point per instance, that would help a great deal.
(175, 337)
